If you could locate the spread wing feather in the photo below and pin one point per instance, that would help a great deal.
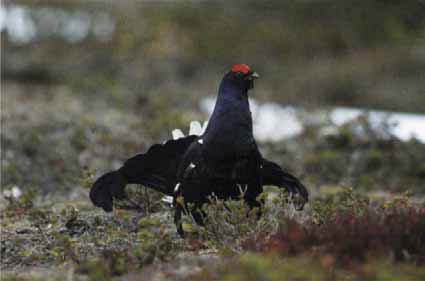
(273, 174)
(157, 169)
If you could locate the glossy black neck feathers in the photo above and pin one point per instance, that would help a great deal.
(231, 119)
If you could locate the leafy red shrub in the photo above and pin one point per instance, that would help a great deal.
(292, 239)
(351, 233)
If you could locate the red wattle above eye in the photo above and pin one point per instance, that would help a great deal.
(241, 68)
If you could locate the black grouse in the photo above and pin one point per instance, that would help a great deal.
(222, 162)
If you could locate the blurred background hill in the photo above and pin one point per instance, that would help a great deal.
(369, 54)
(86, 84)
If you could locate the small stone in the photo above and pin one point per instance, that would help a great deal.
(24, 230)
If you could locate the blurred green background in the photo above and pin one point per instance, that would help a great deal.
(369, 54)
(87, 84)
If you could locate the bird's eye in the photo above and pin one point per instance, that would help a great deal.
(239, 75)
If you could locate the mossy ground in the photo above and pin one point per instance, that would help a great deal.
(340, 236)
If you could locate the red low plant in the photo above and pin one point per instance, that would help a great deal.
(351, 234)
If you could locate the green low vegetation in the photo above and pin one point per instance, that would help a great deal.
(342, 236)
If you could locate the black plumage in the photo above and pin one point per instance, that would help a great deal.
(221, 162)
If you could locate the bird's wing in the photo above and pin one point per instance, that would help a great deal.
(273, 174)
(157, 169)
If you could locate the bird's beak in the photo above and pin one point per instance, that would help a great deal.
(253, 76)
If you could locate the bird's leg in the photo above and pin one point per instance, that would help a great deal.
(251, 197)
(253, 203)
(178, 219)
(198, 215)
(178, 202)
